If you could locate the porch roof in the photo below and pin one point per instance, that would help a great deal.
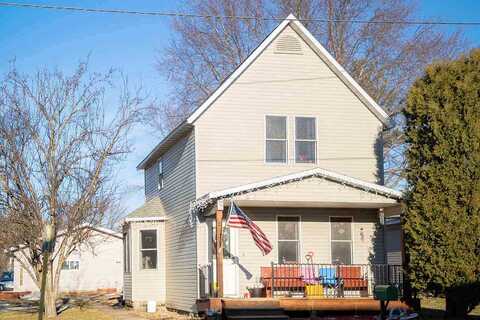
(150, 210)
(241, 192)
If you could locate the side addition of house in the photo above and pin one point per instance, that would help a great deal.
(296, 143)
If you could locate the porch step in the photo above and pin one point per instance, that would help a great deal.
(254, 312)
(256, 317)
(253, 308)
(251, 303)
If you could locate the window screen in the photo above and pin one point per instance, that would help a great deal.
(341, 240)
(148, 249)
(305, 140)
(288, 239)
(276, 139)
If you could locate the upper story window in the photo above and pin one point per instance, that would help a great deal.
(148, 249)
(305, 140)
(276, 139)
(160, 174)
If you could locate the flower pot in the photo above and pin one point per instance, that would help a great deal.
(256, 292)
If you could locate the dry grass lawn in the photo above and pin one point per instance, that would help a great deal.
(70, 314)
(434, 308)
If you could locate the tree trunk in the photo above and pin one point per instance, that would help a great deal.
(456, 307)
(50, 300)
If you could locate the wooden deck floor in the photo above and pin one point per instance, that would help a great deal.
(297, 304)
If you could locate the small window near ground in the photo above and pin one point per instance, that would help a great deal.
(276, 139)
(148, 249)
(341, 234)
(71, 265)
(305, 140)
(160, 174)
(288, 239)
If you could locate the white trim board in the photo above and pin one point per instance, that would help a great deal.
(144, 219)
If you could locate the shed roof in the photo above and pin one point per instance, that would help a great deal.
(153, 208)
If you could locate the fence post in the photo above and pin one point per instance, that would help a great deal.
(273, 280)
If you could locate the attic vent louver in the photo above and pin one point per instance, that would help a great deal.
(288, 44)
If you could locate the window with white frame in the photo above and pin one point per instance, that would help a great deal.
(305, 140)
(71, 265)
(276, 139)
(126, 253)
(341, 239)
(148, 249)
(288, 239)
(160, 173)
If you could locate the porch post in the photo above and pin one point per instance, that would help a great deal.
(219, 247)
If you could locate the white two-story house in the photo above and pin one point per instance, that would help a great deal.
(296, 143)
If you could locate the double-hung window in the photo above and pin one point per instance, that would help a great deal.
(160, 174)
(305, 140)
(148, 249)
(288, 239)
(341, 233)
(276, 139)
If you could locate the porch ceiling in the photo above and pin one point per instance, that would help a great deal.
(312, 188)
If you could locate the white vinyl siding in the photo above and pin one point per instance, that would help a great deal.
(180, 236)
(231, 134)
(314, 235)
(147, 284)
(97, 264)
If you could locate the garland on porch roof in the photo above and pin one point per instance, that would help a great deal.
(210, 198)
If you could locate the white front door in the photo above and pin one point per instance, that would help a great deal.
(230, 265)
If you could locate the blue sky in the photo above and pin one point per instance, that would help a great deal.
(45, 38)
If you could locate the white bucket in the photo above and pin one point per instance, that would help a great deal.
(151, 306)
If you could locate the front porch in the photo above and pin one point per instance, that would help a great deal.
(328, 244)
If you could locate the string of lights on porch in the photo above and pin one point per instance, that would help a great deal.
(343, 181)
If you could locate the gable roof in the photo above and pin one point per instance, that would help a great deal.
(323, 54)
(211, 197)
(102, 230)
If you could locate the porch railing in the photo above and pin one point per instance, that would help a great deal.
(328, 280)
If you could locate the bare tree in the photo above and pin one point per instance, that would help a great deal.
(60, 142)
(384, 58)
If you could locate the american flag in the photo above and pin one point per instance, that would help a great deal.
(238, 219)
